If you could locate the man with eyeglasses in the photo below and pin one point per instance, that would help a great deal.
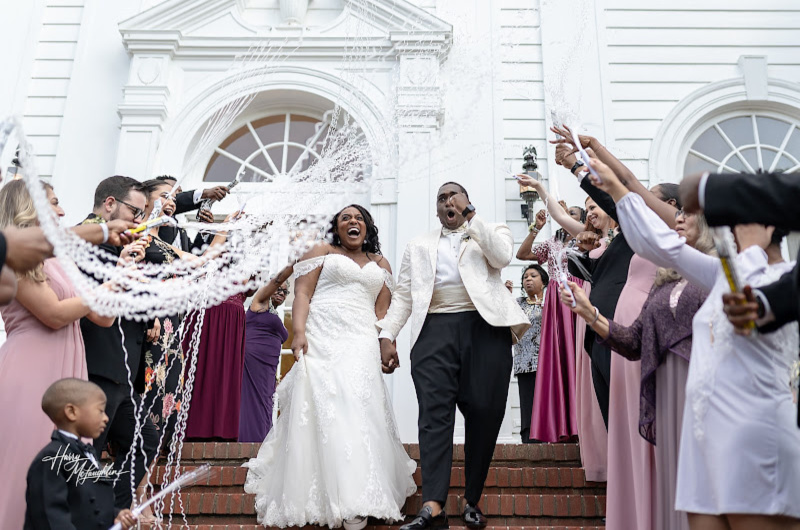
(122, 198)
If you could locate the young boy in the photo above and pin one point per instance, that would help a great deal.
(67, 486)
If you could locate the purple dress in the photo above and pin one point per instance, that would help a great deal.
(554, 403)
(265, 333)
(214, 409)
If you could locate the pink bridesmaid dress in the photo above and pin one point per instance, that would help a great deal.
(554, 402)
(630, 499)
(33, 357)
(592, 433)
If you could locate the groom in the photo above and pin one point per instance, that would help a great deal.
(463, 324)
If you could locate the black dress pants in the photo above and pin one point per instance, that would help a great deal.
(601, 376)
(527, 387)
(459, 360)
(121, 412)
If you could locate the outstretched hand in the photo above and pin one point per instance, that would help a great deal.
(564, 136)
(389, 359)
(742, 310)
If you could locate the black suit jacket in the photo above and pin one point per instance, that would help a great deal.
(104, 353)
(57, 499)
(769, 199)
(184, 202)
(168, 234)
(609, 272)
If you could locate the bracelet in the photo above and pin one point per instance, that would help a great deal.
(532, 228)
(104, 228)
(596, 316)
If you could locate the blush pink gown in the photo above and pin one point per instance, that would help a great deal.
(592, 433)
(630, 499)
(33, 357)
(553, 418)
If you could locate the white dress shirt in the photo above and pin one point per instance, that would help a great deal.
(88, 455)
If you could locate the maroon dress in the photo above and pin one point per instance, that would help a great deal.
(214, 407)
(262, 354)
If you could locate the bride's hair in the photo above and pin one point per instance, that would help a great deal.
(371, 242)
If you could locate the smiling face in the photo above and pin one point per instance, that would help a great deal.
(448, 214)
(351, 228)
(596, 216)
(167, 202)
(532, 283)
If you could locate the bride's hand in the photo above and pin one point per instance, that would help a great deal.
(389, 360)
(299, 345)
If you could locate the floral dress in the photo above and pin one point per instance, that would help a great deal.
(164, 359)
(526, 351)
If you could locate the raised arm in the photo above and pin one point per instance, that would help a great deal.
(262, 296)
(664, 210)
(558, 213)
(495, 241)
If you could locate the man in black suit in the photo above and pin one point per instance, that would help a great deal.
(67, 486)
(187, 201)
(120, 198)
(770, 199)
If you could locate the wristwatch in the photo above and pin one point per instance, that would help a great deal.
(468, 210)
(576, 166)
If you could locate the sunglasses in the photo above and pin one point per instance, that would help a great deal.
(138, 213)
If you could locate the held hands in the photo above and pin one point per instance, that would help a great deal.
(742, 310)
(389, 359)
(583, 308)
(588, 241)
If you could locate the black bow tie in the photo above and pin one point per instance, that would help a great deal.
(86, 448)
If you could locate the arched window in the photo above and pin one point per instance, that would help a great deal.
(746, 142)
(282, 144)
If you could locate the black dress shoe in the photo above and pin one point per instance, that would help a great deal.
(426, 521)
(473, 517)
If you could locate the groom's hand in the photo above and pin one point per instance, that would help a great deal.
(389, 360)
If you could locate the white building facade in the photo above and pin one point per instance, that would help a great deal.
(452, 89)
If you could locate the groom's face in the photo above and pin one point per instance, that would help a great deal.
(450, 202)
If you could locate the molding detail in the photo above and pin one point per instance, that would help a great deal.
(680, 128)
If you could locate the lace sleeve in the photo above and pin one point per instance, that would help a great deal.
(388, 280)
(304, 267)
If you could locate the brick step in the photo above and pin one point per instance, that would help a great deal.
(235, 526)
(501, 505)
(514, 455)
(231, 478)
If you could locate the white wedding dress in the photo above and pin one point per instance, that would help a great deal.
(334, 452)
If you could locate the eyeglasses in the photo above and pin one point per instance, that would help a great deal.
(138, 213)
(282, 291)
(681, 213)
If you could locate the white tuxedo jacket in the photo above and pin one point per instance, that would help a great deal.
(483, 255)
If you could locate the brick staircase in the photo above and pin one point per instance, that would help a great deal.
(534, 486)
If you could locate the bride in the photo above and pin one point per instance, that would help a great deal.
(334, 456)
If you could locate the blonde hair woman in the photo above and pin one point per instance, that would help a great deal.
(43, 344)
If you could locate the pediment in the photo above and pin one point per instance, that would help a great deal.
(192, 26)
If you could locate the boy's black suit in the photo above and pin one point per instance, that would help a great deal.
(57, 498)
